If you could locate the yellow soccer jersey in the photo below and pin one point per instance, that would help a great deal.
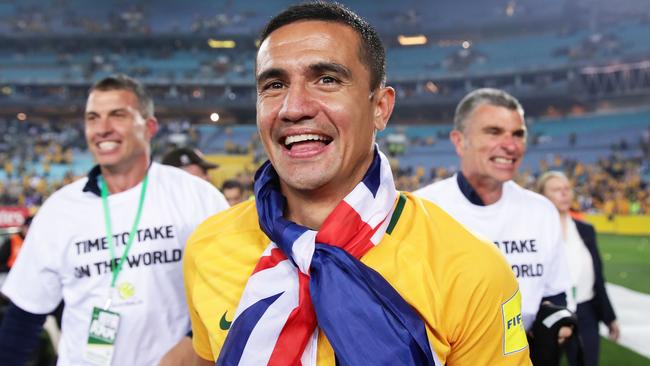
(461, 286)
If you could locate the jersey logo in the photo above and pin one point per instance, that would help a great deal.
(223, 323)
(514, 334)
(126, 290)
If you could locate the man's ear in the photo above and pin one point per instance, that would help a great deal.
(384, 102)
(458, 139)
(152, 126)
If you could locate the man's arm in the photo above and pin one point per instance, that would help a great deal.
(202, 362)
(181, 354)
(19, 335)
(559, 299)
(491, 330)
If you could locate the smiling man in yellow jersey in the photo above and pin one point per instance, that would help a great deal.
(330, 264)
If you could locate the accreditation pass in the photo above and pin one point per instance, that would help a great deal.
(101, 337)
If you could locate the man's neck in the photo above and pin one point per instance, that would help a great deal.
(310, 209)
(120, 180)
(489, 190)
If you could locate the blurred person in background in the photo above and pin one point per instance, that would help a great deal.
(79, 247)
(12, 245)
(585, 269)
(191, 161)
(233, 190)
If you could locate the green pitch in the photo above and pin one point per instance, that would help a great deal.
(626, 260)
(627, 263)
(611, 354)
(614, 354)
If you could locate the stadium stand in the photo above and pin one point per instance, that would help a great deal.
(582, 75)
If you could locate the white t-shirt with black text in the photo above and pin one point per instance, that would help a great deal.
(65, 256)
(525, 226)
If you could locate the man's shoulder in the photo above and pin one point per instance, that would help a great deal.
(432, 230)
(439, 225)
(67, 194)
(174, 176)
(433, 190)
(239, 220)
(231, 236)
(186, 189)
(519, 194)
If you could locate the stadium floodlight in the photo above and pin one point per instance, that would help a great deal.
(214, 117)
(419, 39)
(216, 43)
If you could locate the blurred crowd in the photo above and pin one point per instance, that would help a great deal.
(27, 153)
(31, 151)
(615, 185)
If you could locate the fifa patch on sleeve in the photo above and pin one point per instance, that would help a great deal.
(514, 334)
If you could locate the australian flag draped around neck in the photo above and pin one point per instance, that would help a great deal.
(309, 280)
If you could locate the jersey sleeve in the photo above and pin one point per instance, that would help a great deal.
(556, 268)
(34, 283)
(490, 330)
(200, 337)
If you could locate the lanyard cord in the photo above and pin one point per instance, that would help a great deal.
(109, 230)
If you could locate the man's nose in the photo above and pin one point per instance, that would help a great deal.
(101, 126)
(298, 104)
(509, 143)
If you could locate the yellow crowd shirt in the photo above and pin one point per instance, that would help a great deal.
(460, 285)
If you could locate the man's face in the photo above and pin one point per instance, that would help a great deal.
(196, 170)
(316, 114)
(116, 133)
(493, 144)
(233, 195)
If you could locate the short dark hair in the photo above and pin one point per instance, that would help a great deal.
(371, 50)
(124, 82)
(232, 183)
(495, 97)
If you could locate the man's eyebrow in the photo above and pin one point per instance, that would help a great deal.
(316, 69)
(333, 67)
(112, 111)
(492, 128)
(520, 131)
(271, 73)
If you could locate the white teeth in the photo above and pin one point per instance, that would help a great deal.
(503, 161)
(107, 145)
(300, 138)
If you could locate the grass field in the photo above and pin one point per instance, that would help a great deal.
(612, 354)
(627, 263)
(626, 260)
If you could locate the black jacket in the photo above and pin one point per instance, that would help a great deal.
(602, 303)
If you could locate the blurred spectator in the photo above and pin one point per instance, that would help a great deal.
(233, 190)
(585, 269)
(190, 160)
(11, 246)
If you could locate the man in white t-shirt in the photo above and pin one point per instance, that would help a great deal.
(110, 246)
(489, 136)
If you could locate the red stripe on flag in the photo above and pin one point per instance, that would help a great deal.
(297, 330)
(270, 261)
(345, 222)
